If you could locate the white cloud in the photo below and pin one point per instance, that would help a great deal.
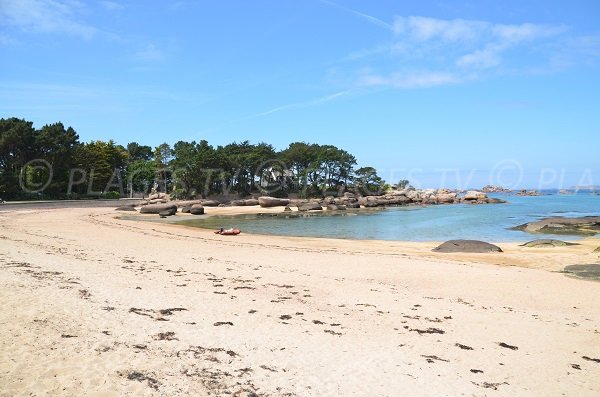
(482, 43)
(421, 79)
(423, 28)
(46, 16)
(429, 52)
(482, 59)
(524, 32)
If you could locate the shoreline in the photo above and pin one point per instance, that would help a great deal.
(550, 259)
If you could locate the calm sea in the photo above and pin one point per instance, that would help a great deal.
(489, 222)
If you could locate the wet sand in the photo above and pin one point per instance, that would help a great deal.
(94, 305)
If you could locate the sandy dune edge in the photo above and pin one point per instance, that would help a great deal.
(98, 306)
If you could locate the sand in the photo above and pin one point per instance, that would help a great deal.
(93, 305)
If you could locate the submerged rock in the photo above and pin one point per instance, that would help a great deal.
(584, 226)
(546, 243)
(470, 246)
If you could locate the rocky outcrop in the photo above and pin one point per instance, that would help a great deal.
(157, 201)
(267, 202)
(157, 208)
(197, 209)
(249, 202)
(336, 207)
(187, 203)
(494, 189)
(210, 203)
(528, 193)
(155, 196)
(477, 197)
(584, 226)
(446, 198)
(186, 209)
(469, 246)
(310, 206)
(474, 195)
(546, 243)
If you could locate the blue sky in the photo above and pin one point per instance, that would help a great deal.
(456, 93)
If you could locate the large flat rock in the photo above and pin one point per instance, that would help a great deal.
(469, 246)
(591, 271)
(583, 226)
(546, 243)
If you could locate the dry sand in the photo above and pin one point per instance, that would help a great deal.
(93, 305)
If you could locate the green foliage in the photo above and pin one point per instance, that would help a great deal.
(111, 195)
(135, 152)
(367, 182)
(102, 165)
(186, 170)
(402, 184)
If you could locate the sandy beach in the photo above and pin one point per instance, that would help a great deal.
(98, 306)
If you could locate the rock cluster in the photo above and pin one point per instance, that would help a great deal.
(528, 193)
(495, 189)
(159, 201)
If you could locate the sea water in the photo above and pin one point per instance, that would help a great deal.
(491, 222)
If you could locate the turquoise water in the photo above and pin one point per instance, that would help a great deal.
(489, 222)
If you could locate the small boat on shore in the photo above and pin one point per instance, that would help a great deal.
(228, 232)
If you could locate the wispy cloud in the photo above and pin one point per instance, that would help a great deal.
(432, 52)
(369, 18)
(420, 79)
(150, 53)
(112, 5)
(309, 103)
(47, 16)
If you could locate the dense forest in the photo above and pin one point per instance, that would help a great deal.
(51, 163)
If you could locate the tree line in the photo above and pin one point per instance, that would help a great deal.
(52, 163)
